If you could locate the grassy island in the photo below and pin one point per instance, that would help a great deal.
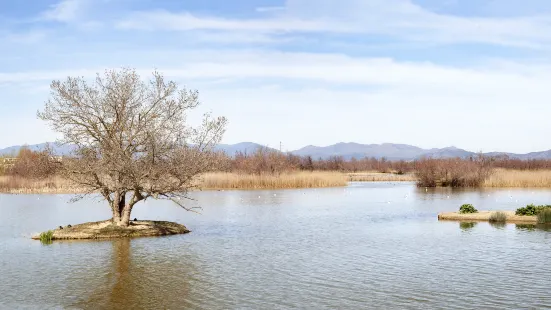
(107, 229)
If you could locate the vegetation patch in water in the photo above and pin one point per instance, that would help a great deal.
(46, 237)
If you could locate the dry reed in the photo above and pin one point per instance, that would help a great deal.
(380, 177)
(220, 180)
(21, 185)
(519, 178)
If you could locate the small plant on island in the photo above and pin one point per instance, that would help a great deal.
(544, 216)
(47, 237)
(532, 210)
(498, 217)
(467, 208)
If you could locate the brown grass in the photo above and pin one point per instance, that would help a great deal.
(380, 177)
(519, 178)
(51, 185)
(220, 180)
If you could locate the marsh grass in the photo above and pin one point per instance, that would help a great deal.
(544, 216)
(221, 180)
(518, 178)
(498, 217)
(380, 177)
(46, 237)
(22, 185)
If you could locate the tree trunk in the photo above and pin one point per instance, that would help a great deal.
(121, 211)
(125, 216)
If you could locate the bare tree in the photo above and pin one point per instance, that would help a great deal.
(132, 138)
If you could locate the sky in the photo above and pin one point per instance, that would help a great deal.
(474, 74)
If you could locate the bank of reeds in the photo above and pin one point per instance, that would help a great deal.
(519, 178)
(21, 185)
(380, 177)
(221, 180)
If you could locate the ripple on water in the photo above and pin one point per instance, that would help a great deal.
(330, 248)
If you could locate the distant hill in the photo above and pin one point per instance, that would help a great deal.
(245, 147)
(400, 152)
(349, 150)
(57, 149)
(346, 150)
(229, 149)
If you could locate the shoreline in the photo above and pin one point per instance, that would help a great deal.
(484, 216)
(218, 181)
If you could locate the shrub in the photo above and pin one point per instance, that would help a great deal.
(531, 210)
(544, 216)
(498, 217)
(467, 208)
(47, 237)
(453, 172)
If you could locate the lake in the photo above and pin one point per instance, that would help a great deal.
(369, 245)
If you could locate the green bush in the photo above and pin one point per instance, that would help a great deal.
(47, 237)
(531, 210)
(544, 216)
(467, 208)
(498, 217)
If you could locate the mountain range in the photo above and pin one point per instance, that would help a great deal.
(346, 150)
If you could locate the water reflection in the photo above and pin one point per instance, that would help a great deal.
(320, 249)
(466, 226)
(134, 280)
(498, 225)
(532, 227)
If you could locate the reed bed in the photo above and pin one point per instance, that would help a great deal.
(51, 185)
(380, 177)
(313, 179)
(518, 178)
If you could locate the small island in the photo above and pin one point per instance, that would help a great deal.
(484, 216)
(530, 214)
(107, 229)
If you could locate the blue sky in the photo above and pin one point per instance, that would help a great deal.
(475, 74)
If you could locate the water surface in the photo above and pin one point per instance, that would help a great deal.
(370, 245)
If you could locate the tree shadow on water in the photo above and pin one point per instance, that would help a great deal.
(137, 280)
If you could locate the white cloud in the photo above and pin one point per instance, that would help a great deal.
(65, 11)
(331, 70)
(397, 18)
(164, 20)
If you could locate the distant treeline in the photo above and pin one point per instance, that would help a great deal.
(456, 172)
